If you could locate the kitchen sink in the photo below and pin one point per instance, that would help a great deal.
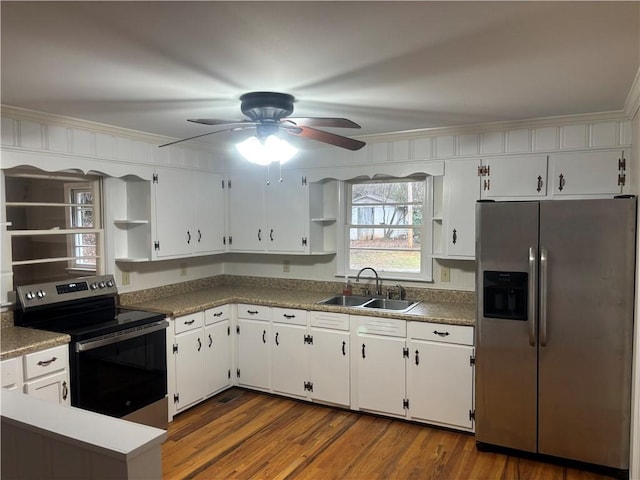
(369, 302)
(346, 300)
(389, 304)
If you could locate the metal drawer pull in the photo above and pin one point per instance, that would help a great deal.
(252, 312)
(189, 322)
(441, 334)
(219, 314)
(46, 363)
(285, 315)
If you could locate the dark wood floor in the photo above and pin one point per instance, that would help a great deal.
(241, 434)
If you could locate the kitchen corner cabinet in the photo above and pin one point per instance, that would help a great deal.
(253, 334)
(440, 374)
(43, 374)
(289, 358)
(461, 190)
(521, 176)
(380, 357)
(269, 216)
(588, 173)
(188, 212)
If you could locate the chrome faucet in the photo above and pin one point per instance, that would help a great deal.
(378, 287)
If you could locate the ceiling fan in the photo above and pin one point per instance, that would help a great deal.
(268, 113)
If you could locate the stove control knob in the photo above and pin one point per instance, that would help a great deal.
(30, 296)
(41, 294)
(94, 286)
(109, 283)
(102, 284)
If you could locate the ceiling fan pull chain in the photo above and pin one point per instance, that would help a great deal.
(268, 175)
(281, 179)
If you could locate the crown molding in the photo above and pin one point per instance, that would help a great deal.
(632, 103)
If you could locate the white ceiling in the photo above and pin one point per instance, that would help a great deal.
(387, 65)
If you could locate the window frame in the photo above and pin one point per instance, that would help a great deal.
(426, 230)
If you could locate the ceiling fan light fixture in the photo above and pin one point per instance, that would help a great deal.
(272, 149)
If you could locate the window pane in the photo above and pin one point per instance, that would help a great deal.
(387, 249)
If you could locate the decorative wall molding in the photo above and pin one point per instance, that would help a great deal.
(632, 103)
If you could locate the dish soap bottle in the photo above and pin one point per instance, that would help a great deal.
(347, 290)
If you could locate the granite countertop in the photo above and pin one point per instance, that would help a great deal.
(191, 302)
(17, 341)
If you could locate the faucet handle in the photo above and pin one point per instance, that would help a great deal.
(402, 293)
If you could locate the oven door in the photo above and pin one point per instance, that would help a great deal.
(120, 373)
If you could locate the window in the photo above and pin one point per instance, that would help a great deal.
(385, 228)
(82, 246)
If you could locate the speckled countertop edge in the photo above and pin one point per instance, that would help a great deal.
(18, 341)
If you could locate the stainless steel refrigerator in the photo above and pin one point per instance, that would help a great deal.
(554, 332)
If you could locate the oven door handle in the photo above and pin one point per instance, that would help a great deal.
(90, 344)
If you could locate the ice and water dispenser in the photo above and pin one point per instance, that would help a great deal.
(505, 295)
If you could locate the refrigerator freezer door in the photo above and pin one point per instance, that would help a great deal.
(506, 362)
(585, 359)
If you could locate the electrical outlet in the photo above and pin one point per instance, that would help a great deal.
(126, 278)
(445, 274)
(286, 266)
(183, 269)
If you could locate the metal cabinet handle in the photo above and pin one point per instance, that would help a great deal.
(210, 341)
(46, 363)
(199, 344)
(417, 357)
(441, 334)
(252, 312)
(264, 336)
(218, 314)
(455, 236)
(271, 234)
(540, 183)
(344, 348)
(533, 287)
(259, 234)
(65, 390)
(199, 236)
(363, 355)
(277, 341)
(189, 322)
(285, 315)
(561, 182)
(188, 236)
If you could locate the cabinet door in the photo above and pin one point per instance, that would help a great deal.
(190, 372)
(209, 207)
(289, 359)
(381, 374)
(461, 191)
(440, 383)
(173, 226)
(523, 176)
(52, 388)
(246, 213)
(218, 357)
(253, 353)
(329, 365)
(287, 213)
(585, 173)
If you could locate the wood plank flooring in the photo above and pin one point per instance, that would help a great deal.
(241, 434)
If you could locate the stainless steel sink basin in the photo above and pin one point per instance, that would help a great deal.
(389, 304)
(346, 300)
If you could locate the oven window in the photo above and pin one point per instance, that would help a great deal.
(122, 377)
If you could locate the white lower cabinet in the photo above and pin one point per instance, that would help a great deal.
(43, 374)
(380, 356)
(440, 374)
(201, 350)
(253, 332)
(289, 357)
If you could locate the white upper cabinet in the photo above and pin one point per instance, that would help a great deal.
(268, 216)
(189, 213)
(521, 176)
(587, 173)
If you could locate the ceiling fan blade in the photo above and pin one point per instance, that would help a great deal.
(202, 135)
(217, 121)
(326, 137)
(321, 122)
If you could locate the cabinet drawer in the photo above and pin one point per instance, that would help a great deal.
(289, 315)
(214, 315)
(382, 326)
(45, 361)
(189, 322)
(334, 321)
(255, 312)
(10, 372)
(440, 332)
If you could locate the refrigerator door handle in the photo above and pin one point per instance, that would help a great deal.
(544, 256)
(533, 287)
